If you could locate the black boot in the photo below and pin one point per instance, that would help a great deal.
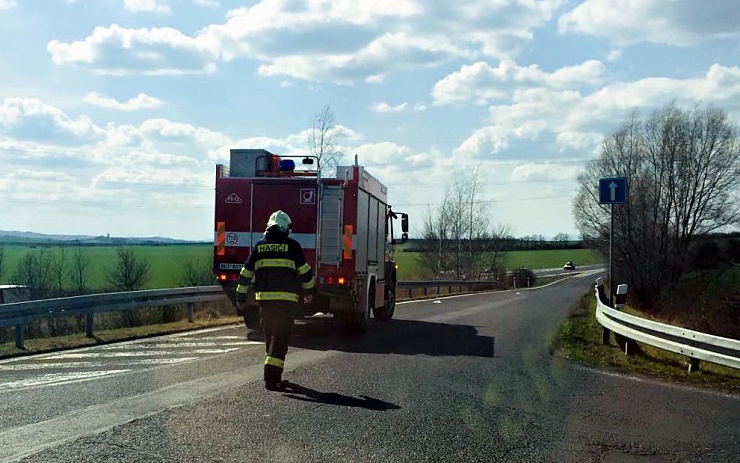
(277, 385)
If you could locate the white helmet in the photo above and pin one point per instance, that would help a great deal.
(281, 220)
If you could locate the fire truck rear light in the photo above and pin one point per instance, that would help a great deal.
(222, 277)
(396, 266)
(341, 281)
(330, 280)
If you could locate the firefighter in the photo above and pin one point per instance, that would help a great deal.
(281, 277)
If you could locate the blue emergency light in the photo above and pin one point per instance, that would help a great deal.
(287, 164)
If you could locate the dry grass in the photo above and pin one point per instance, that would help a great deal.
(579, 339)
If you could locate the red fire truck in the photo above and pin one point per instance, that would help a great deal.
(343, 223)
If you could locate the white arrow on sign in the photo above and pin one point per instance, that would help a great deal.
(613, 188)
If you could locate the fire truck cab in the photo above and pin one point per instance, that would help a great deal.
(343, 223)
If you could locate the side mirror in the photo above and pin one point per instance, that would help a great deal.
(405, 224)
(404, 237)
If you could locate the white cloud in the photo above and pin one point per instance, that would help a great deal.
(481, 83)
(120, 51)
(614, 55)
(339, 41)
(147, 6)
(7, 4)
(384, 107)
(141, 101)
(33, 119)
(658, 21)
(207, 3)
(576, 121)
(538, 172)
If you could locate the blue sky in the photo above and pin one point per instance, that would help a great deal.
(113, 113)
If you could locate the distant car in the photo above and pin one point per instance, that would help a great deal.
(569, 266)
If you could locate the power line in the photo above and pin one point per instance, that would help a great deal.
(487, 201)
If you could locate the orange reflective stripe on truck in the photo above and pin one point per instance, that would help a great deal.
(347, 252)
(221, 239)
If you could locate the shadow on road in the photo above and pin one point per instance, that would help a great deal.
(298, 392)
(404, 337)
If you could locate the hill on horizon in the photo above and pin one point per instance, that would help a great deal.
(34, 237)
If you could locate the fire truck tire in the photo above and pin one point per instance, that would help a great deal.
(359, 322)
(385, 313)
(252, 318)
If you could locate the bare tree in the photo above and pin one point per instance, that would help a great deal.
(323, 140)
(131, 272)
(683, 168)
(197, 272)
(495, 255)
(435, 244)
(561, 237)
(34, 272)
(78, 270)
(58, 265)
(456, 237)
(478, 234)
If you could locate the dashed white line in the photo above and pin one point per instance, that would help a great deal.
(62, 365)
(176, 345)
(52, 378)
(147, 353)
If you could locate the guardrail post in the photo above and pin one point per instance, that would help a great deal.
(621, 297)
(191, 312)
(89, 325)
(19, 336)
(629, 346)
(693, 364)
(605, 333)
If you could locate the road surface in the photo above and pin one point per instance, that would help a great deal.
(457, 379)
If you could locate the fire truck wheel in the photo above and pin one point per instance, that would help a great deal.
(385, 313)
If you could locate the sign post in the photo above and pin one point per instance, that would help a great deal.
(612, 191)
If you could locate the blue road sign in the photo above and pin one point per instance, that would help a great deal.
(613, 190)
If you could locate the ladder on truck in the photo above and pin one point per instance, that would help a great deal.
(330, 227)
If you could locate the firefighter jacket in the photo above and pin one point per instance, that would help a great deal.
(279, 268)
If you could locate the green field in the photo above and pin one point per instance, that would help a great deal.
(166, 262)
(408, 267)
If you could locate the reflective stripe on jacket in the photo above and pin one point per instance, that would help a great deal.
(279, 269)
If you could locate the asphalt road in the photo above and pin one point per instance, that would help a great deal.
(459, 379)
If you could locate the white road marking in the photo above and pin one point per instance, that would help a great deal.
(170, 345)
(62, 365)
(52, 378)
(146, 353)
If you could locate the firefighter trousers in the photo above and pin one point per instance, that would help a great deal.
(277, 324)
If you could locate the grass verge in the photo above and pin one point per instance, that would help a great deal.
(579, 339)
(42, 345)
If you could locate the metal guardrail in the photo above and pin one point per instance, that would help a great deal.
(693, 344)
(477, 285)
(21, 313)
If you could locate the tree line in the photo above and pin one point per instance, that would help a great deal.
(683, 172)
(62, 271)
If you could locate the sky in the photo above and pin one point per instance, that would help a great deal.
(114, 113)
